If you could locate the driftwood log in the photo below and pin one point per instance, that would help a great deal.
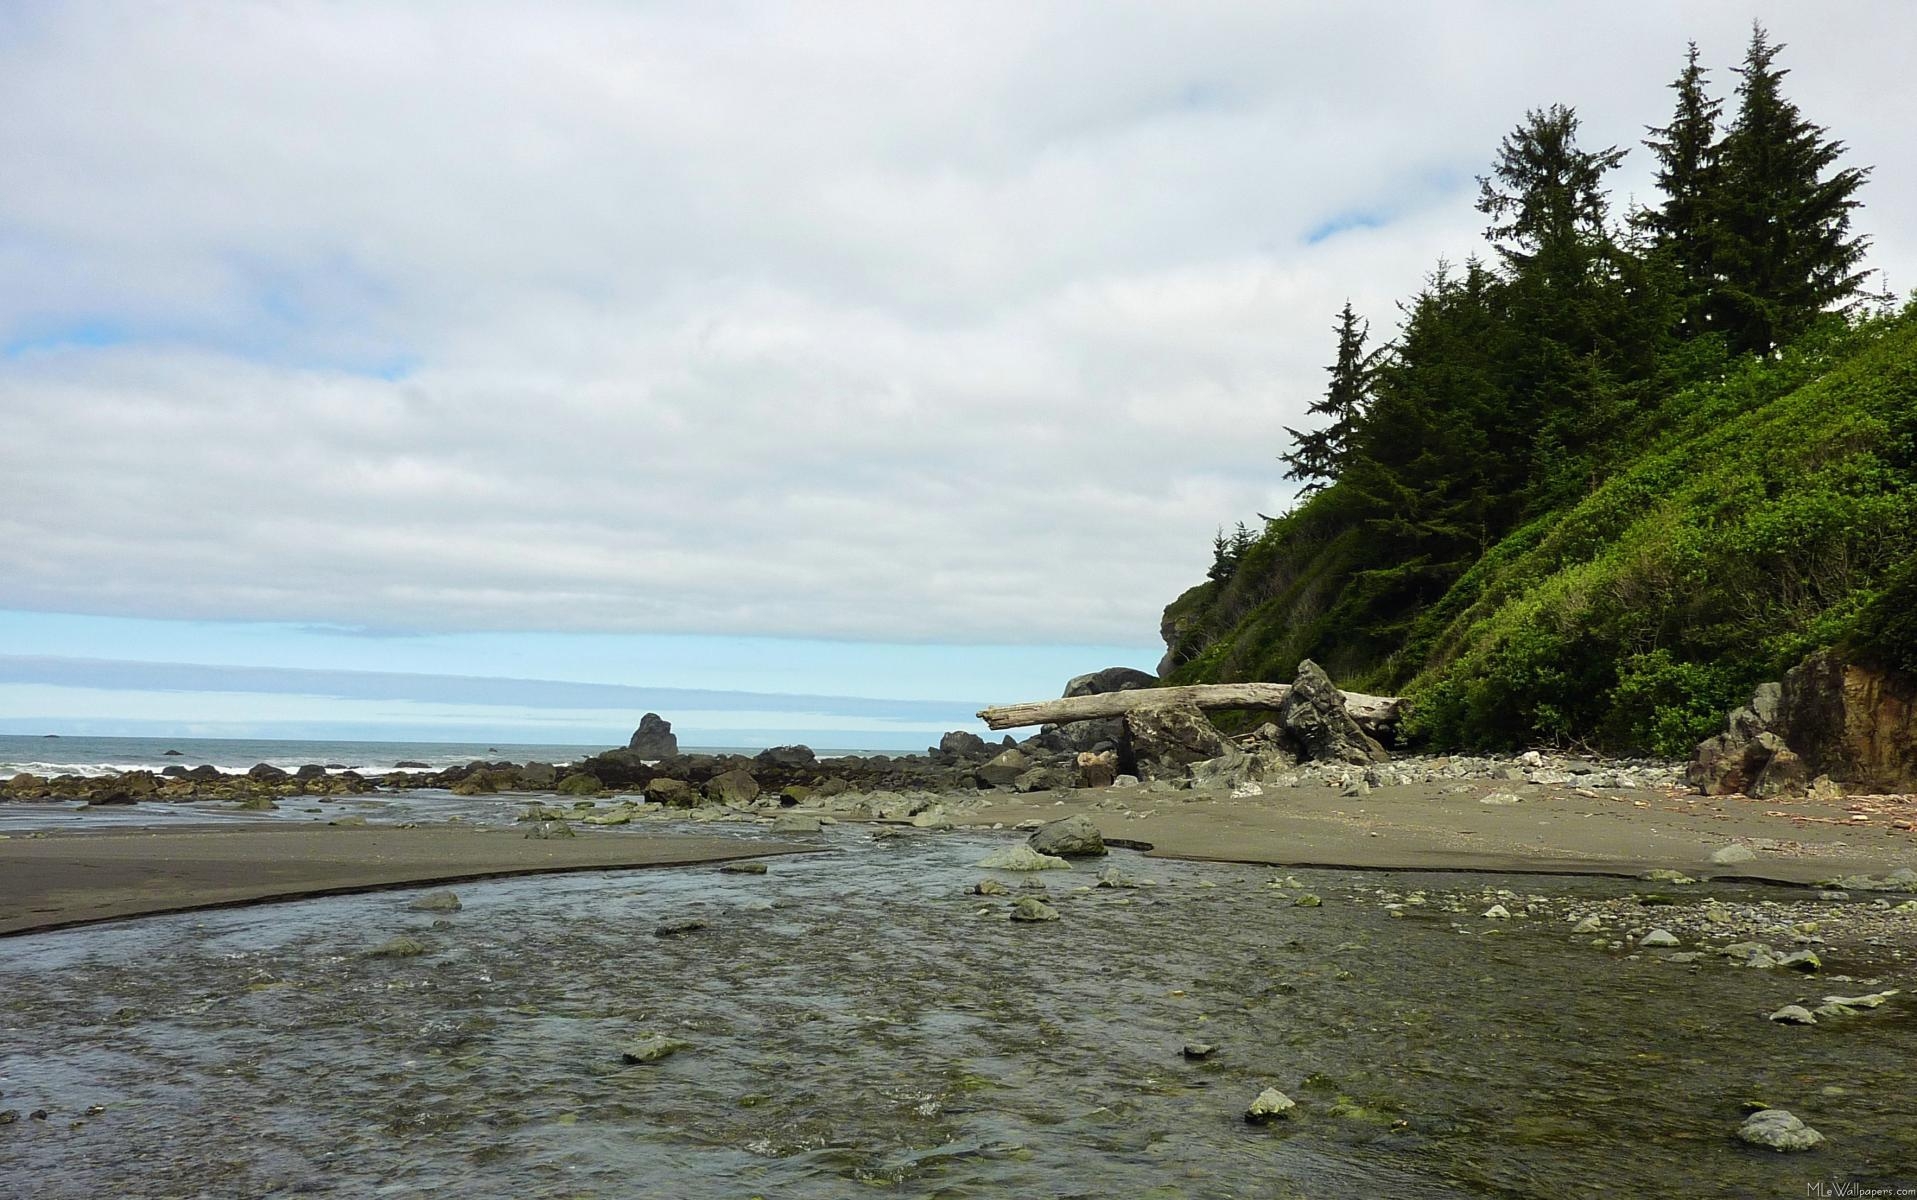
(1369, 711)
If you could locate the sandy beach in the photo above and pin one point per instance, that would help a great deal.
(80, 878)
(1549, 830)
(73, 878)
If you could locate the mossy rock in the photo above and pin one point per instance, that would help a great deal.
(579, 784)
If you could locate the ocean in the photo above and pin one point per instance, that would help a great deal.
(95, 756)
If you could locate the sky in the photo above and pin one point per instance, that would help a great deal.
(849, 352)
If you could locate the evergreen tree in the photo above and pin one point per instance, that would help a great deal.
(1545, 196)
(1783, 248)
(1317, 457)
(1682, 227)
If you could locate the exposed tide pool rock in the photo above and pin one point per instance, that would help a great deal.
(1074, 837)
(1315, 720)
(1022, 858)
(1270, 1105)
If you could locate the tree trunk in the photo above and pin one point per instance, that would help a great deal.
(1369, 711)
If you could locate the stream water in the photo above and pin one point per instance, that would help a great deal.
(858, 1023)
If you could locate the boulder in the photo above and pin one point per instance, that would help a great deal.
(1004, 770)
(673, 793)
(960, 744)
(1074, 837)
(1161, 741)
(787, 756)
(733, 787)
(1039, 779)
(1022, 858)
(1315, 720)
(1031, 908)
(1270, 1105)
(1783, 775)
(440, 901)
(538, 775)
(1725, 766)
(579, 784)
(1776, 1129)
(1111, 679)
(266, 772)
(654, 738)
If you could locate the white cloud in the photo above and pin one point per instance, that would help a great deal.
(870, 321)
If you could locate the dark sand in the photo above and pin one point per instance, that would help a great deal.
(1552, 830)
(78, 878)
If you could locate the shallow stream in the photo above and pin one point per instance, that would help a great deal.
(858, 1023)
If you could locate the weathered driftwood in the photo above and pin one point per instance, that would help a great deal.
(1370, 711)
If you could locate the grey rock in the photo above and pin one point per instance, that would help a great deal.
(1031, 908)
(1793, 1014)
(440, 901)
(1004, 770)
(1199, 1050)
(1736, 852)
(673, 793)
(796, 823)
(1270, 1105)
(1776, 1129)
(990, 887)
(749, 867)
(1161, 742)
(678, 928)
(734, 787)
(1074, 837)
(1658, 938)
(1022, 857)
(1314, 719)
(550, 829)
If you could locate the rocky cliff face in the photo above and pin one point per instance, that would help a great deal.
(1853, 722)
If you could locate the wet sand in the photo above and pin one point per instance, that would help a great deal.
(79, 878)
(1553, 830)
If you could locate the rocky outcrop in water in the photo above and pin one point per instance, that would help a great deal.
(654, 738)
(1074, 837)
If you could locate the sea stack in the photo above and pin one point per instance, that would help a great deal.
(654, 738)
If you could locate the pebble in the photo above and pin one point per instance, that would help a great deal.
(1793, 1014)
(1497, 912)
(1199, 1050)
(1658, 938)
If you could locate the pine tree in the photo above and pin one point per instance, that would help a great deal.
(1319, 455)
(1682, 227)
(1545, 196)
(1783, 250)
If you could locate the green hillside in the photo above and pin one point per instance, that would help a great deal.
(1775, 515)
(1595, 490)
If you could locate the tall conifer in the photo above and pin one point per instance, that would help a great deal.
(1688, 175)
(1783, 248)
(1317, 456)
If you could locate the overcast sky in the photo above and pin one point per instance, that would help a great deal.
(958, 326)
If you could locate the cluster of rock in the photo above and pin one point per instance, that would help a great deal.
(1830, 723)
(260, 787)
